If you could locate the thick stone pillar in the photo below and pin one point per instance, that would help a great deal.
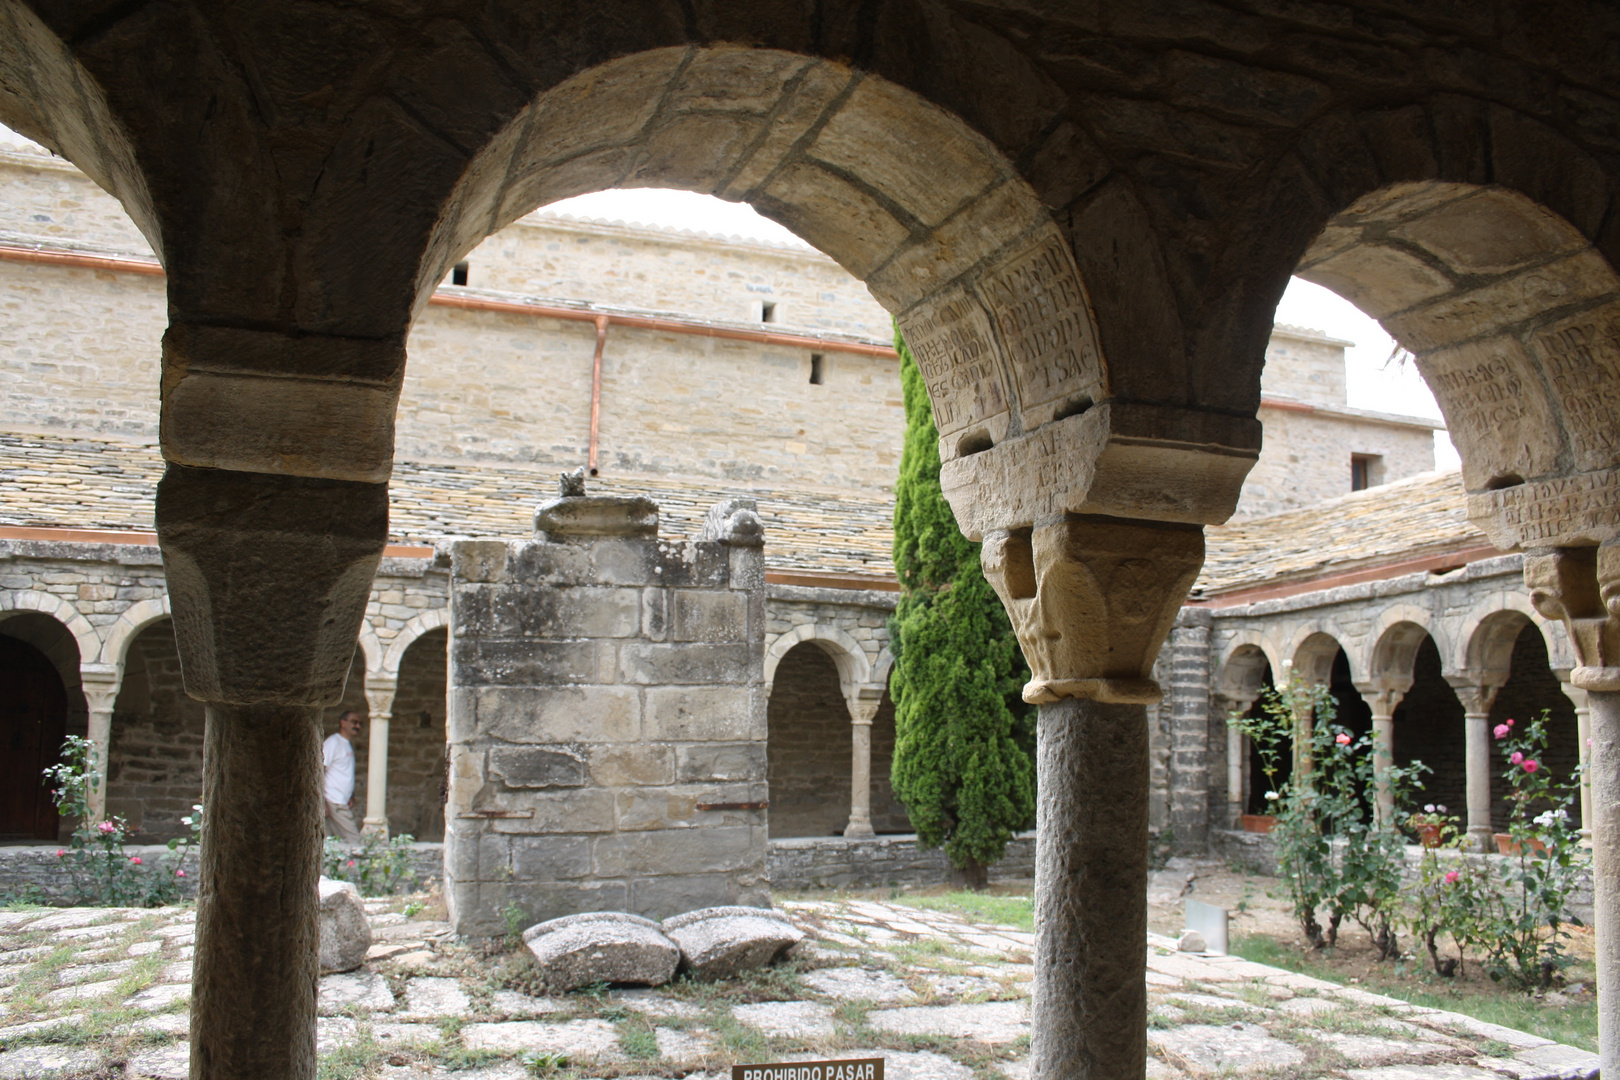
(1580, 586)
(1188, 701)
(861, 712)
(1477, 694)
(1382, 699)
(1092, 599)
(268, 579)
(380, 703)
(100, 683)
(1583, 734)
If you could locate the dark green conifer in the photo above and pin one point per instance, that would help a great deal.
(962, 755)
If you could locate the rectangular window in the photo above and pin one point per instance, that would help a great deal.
(458, 276)
(1366, 470)
(815, 369)
(767, 312)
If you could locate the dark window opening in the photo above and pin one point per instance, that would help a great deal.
(767, 312)
(458, 275)
(1365, 471)
(815, 369)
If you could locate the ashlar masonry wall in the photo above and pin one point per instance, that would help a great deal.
(607, 718)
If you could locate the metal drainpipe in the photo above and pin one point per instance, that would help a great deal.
(596, 386)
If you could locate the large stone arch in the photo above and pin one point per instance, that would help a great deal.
(17, 601)
(1395, 639)
(1484, 651)
(1312, 651)
(1241, 671)
(854, 670)
(131, 621)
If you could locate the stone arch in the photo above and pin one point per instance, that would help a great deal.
(422, 624)
(1312, 652)
(882, 667)
(854, 671)
(371, 648)
(908, 197)
(1396, 638)
(1485, 646)
(1242, 665)
(131, 622)
(17, 601)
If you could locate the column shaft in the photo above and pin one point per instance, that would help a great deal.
(100, 735)
(860, 779)
(1090, 995)
(1383, 734)
(253, 981)
(376, 819)
(1236, 750)
(1477, 762)
(1605, 719)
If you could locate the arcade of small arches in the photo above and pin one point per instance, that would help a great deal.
(1085, 259)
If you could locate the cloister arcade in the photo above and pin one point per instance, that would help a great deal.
(1082, 220)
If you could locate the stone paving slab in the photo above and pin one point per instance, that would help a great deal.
(1212, 1016)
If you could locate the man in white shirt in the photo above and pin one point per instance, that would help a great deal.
(338, 753)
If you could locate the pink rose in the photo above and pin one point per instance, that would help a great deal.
(1501, 731)
(136, 859)
(1343, 739)
(351, 862)
(1516, 757)
(107, 827)
(1452, 877)
(61, 851)
(1532, 765)
(179, 873)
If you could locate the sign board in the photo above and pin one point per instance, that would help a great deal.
(854, 1069)
(1210, 921)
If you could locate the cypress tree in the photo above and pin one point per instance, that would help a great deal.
(962, 756)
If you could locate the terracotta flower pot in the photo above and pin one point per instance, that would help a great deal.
(1505, 845)
(1428, 835)
(1257, 823)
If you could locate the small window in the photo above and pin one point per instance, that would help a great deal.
(767, 312)
(1366, 470)
(816, 369)
(458, 276)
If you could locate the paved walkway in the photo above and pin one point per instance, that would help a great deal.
(94, 991)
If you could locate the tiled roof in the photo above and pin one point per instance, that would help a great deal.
(64, 481)
(67, 481)
(1420, 515)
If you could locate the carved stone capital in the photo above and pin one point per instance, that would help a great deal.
(1092, 600)
(268, 579)
(1580, 587)
(1476, 692)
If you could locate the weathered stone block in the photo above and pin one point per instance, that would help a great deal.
(693, 851)
(640, 763)
(504, 611)
(694, 662)
(671, 894)
(710, 616)
(719, 942)
(588, 517)
(553, 858)
(702, 713)
(345, 930)
(607, 946)
(536, 767)
(583, 811)
(562, 714)
(521, 662)
(720, 761)
(478, 560)
(676, 807)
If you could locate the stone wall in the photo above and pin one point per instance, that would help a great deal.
(416, 742)
(154, 766)
(837, 863)
(607, 719)
(1305, 457)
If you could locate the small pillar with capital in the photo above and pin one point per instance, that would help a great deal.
(380, 691)
(862, 710)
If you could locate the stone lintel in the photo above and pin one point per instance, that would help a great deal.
(596, 515)
(1133, 461)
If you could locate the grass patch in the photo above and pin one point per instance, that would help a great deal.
(1574, 1022)
(637, 1039)
(1014, 911)
(352, 1061)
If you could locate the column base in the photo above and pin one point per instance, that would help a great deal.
(1481, 839)
(374, 827)
(856, 830)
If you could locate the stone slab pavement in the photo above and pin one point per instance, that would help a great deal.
(100, 992)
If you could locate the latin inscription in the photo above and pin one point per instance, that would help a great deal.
(1549, 512)
(1499, 416)
(951, 340)
(1582, 362)
(1045, 321)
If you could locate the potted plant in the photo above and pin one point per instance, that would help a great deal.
(1427, 824)
(1267, 733)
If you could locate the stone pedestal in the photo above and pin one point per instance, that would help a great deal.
(606, 718)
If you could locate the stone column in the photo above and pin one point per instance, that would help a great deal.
(268, 578)
(1188, 701)
(861, 712)
(1092, 601)
(1477, 695)
(1237, 753)
(1583, 734)
(380, 704)
(1581, 588)
(100, 683)
(1382, 699)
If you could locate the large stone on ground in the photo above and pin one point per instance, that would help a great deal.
(1206, 1048)
(46, 1062)
(718, 942)
(368, 992)
(593, 1039)
(788, 1019)
(345, 930)
(602, 946)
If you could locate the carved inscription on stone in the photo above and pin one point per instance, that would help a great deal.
(1045, 321)
(1582, 362)
(950, 336)
(1551, 513)
(1497, 412)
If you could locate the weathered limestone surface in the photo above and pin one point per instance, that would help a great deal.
(719, 942)
(602, 946)
(345, 930)
(607, 720)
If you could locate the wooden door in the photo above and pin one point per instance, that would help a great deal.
(33, 722)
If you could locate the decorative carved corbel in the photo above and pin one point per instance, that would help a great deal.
(1091, 600)
(1580, 587)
